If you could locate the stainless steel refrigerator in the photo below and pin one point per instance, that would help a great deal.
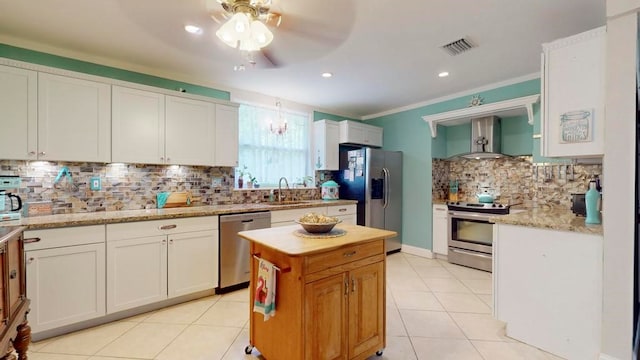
(373, 177)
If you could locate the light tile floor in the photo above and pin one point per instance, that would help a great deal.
(435, 310)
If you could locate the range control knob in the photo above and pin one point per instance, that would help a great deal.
(493, 205)
(501, 205)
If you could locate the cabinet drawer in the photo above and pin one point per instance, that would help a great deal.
(140, 229)
(343, 255)
(341, 210)
(68, 236)
(294, 214)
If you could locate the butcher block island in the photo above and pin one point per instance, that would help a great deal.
(330, 293)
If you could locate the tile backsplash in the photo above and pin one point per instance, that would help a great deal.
(131, 186)
(517, 180)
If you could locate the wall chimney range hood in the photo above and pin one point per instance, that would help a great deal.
(485, 139)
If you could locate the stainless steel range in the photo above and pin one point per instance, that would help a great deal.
(471, 233)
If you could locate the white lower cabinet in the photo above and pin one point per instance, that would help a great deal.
(440, 231)
(65, 275)
(548, 288)
(346, 213)
(151, 261)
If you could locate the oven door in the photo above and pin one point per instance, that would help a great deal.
(470, 240)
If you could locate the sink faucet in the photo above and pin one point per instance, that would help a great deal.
(280, 187)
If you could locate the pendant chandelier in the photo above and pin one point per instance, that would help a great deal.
(244, 30)
(281, 127)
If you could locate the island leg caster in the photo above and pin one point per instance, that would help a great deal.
(248, 349)
(379, 352)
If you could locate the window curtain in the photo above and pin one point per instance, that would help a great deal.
(268, 156)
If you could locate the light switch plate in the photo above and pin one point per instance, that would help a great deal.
(95, 184)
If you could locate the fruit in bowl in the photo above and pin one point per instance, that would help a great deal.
(317, 223)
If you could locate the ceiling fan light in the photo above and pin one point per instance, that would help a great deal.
(261, 34)
(227, 35)
(249, 45)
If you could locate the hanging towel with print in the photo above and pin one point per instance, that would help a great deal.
(265, 296)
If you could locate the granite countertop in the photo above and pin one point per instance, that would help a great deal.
(111, 217)
(549, 218)
(284, 240)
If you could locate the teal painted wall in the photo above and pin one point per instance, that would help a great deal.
(458, 139)
(517, 136)
(318, 115)
(36, 57)
(407, 132)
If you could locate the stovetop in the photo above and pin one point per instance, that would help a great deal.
(493, 208)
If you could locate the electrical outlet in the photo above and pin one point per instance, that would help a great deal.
(217, 182)
(96, 184)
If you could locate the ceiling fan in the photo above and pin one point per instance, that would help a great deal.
(300, 34)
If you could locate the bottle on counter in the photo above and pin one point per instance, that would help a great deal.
(592, 199)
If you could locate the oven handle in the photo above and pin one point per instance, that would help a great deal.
(471, 216)
(472, 253)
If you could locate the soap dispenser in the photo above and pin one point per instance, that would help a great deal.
(591, 198)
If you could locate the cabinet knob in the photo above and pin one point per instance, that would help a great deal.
(342, 209)
(162, 158)
(13, 274)
(164, 242)
(32, 153)
(30, 260)
(349, 254)
(353, 285)
(346, 287)
(42, 153)
(170, 241)
(168, 227)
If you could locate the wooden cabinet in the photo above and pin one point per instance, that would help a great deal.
(548, 288)
(346, 213)
(326, 134)
(573, 119)
(440, 230)
(153, 128)
(74, 119)
(14, 305)
(330, 304)
(65, 271)
(137, 126)
(19, 113)
(169, 257)
(226, 141)
(353, 132)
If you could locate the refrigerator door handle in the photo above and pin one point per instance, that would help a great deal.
(385, 173)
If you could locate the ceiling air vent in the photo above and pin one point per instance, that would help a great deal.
(457, 47)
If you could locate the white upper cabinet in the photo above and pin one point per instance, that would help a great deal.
(74, 119)
(326, 135)
(190, 131)
(226, 142)
(353, 132)
(19, 113)
(573, 83)
(137, 126)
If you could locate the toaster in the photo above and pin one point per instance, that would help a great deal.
(578, 205)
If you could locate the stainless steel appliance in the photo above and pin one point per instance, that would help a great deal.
(233, 254)
(471, 233)
(10, 204)
(373, 177)
(485, 139)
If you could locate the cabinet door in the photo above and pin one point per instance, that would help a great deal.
(573, 122)
(226, 140)
(66, 285)
(327, 143)
(366, 309)
(193, 262)
(136, 272)
(4, 313)
(351, 132)
(346, 213)
(373, 136)
(74, 119)
(137, 126)
(325, 319)
(15, 270)
(440, 230)
(190, 131)
(19, 113)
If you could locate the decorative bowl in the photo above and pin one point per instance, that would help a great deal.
(318, 228)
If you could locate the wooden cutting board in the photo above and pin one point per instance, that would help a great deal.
(179, 199)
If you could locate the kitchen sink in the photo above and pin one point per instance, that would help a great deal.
(285, 202)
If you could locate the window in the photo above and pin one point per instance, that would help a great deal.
(269, 156)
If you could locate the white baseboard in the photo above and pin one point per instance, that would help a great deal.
(607, 357)
(414, 250)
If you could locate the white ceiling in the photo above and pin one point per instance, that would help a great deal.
(384, 54)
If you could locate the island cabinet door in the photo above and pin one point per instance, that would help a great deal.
(366, 310)
(325, 319)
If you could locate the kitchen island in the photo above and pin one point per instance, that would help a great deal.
(330, 297)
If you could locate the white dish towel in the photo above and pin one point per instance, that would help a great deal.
(265, 293)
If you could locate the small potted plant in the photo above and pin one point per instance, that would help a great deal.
(241, 172)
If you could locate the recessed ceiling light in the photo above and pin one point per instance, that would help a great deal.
(192, 29)
(327, 74)
(443, 74)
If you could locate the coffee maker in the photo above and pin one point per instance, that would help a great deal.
(10, 204)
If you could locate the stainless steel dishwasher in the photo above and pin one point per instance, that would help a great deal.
(234, 256)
